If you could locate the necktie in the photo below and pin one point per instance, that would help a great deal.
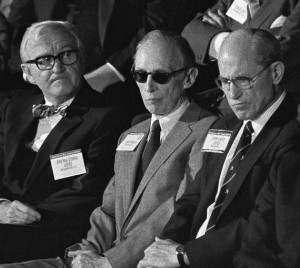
(240, 151)
(253, 7)
(42, 110)
(149, 150)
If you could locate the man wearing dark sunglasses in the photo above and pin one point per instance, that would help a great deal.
(57, 145)
(140, 197)
(240, 150)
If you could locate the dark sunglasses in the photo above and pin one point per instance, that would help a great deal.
(158, 77)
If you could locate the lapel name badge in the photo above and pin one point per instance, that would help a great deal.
(67, 164)
(131, 141)
(238, 11)
(216, 141)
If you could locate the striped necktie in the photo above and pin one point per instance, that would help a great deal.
(239, 155)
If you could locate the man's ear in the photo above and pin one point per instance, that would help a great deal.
(27, 74)
(191, 76)
(277, 72)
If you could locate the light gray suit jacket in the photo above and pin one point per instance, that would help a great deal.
(127, 222)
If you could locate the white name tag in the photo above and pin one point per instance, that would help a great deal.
(131, 141)
(67, 164)
(238, 11)
(216, 141)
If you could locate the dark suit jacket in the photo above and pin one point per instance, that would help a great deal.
(200, 34)
(66, 204)
(273, 234)
(127, 222)
(278, 138)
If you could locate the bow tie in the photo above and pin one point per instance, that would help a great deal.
(42, 110)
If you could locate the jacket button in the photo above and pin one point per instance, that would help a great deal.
(123, 237)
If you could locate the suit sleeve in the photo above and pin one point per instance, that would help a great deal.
(131, 250)
(199, 34)
(273, 234)
(102, 232)
(102, 236)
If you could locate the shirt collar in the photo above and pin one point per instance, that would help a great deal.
(260, 122)
(167, 122)
(68, 102)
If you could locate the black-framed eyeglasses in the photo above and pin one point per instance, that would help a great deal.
(67, 57)
(242, 83)
(159, 77)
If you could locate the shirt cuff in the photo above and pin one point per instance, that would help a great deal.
(121, 77)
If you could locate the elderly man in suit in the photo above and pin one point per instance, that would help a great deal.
(140, 198)
(57, 146)
(211, 217)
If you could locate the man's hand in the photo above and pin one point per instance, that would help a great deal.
(162, 253)
(101, 78)
(217, 19)
(17, 213)
(88, 259)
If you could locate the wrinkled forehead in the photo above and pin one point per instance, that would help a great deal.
(235, 61)
(159, 53)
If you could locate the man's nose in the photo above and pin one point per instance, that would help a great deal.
(150, 84)
(234, 91)
(58, 67)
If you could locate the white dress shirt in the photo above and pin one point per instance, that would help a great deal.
(167, 122)
(45, 126)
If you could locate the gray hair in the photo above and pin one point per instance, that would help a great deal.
(36, 29)
(177, 40)
(263, 46)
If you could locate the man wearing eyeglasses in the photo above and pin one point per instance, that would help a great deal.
(57, 145)
(211, 217)
(150, 160)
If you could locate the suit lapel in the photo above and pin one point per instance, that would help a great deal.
(73, 118)
(130, 162)
(264, 139)
(254, 153)
(176, 137)
(211, 182)
(267, 9)
(171, 143)
(105, 10)
(49, 146)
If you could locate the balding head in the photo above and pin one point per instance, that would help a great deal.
(169, 42)
(252, 44)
